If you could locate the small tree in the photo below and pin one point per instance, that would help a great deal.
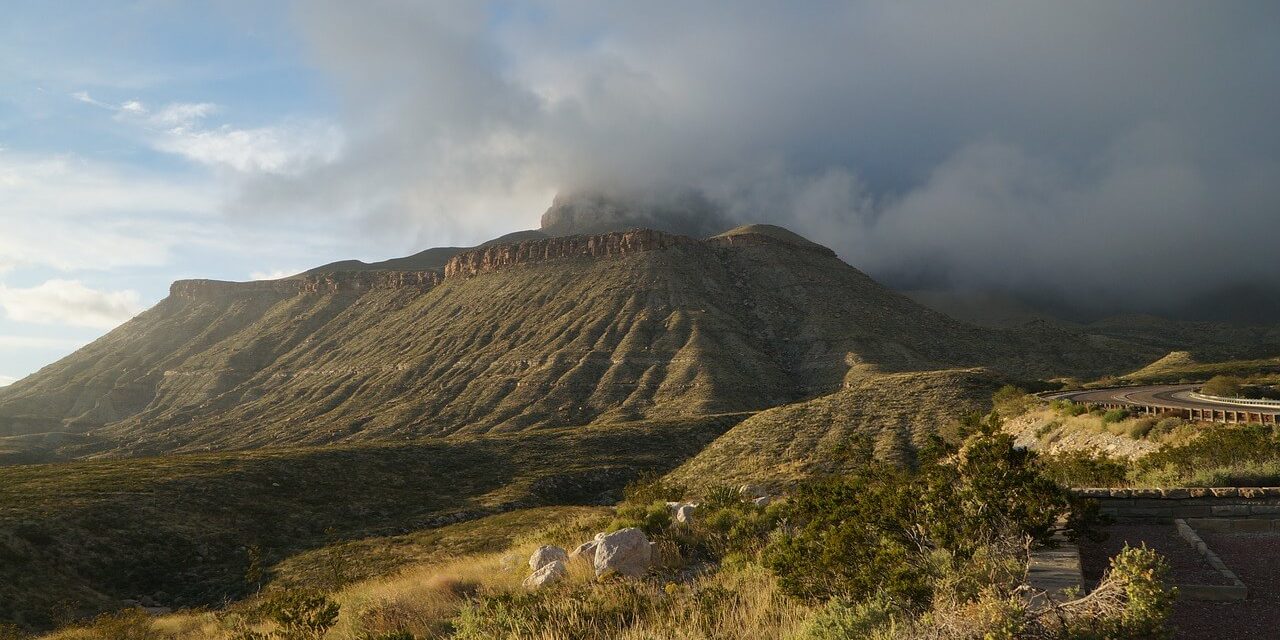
(1227, 386)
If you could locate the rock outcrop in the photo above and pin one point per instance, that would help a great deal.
(323, 283)
(619, 243)
(549, 573)
(624, 552)
(545, 555)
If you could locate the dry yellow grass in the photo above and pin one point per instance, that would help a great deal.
(741, 602)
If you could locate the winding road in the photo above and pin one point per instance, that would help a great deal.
(1175, 399)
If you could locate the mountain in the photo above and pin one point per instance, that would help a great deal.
(540, 331)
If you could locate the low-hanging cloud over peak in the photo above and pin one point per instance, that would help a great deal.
(1120, 153)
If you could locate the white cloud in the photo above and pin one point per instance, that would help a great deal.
(68, 213)
(183, 114)
(275, 274)
(178, 128)
(69, 302)
(283, 149)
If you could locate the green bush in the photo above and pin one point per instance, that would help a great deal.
(1227, 386)
(1140, 578)
(1115, 415)
(883, 530)
(1218, 451)
(126, 624)
(871, 619)
(1084, 468)
(1141, 427)
(1012, 401)
(300, 615)
(1044, 429)
(1166, 426)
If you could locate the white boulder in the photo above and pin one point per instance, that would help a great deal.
(547, 574)
(545, 555)
(763, 501)
(626, 552)
(585, 551)
(684, 513)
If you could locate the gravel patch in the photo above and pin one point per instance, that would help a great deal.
(1255, 558)
(1185, 564)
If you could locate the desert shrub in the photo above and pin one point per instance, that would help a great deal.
(882, 531)
(1114, 415)
(1228, 386)
(12, 632)
(1216, 451)
(1011, 401)
(652, 518)
(1072, 409)
(300, 615)
(391, 635)
(1044, 429)
(1132, 602)
(588, 611)
(1084, 468)
(1165, 427)
(1138, 429)
(649, 488)
(126, 624)
(873, 619)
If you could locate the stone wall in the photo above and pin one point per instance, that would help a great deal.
(1166, 505)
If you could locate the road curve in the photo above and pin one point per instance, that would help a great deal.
(1170, 398)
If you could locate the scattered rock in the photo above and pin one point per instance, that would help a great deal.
(684, 514)
(763, 501)
(549, 573)
(752, 491)
(545, 555)
(626, 552)
(585, 551)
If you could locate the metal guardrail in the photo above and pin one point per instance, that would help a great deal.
(1270, 404)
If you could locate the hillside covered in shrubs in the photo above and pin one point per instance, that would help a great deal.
(935, 549)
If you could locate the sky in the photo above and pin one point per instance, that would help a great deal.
(1117, 154)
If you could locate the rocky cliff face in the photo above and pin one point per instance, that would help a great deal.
(335, 282)
(603, 245)
(473, 262)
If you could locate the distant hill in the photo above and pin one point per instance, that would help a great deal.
(893, 414)
(609, 327)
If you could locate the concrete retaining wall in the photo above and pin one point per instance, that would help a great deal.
(1167, 505)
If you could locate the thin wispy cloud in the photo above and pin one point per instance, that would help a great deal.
(181, 128)
(69, 302)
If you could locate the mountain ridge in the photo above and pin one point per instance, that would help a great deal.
(564, 330)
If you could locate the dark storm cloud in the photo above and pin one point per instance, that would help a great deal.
(1109, 151)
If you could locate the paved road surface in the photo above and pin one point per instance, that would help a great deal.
(1168, 397)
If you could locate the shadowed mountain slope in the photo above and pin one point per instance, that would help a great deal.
(566, 330)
